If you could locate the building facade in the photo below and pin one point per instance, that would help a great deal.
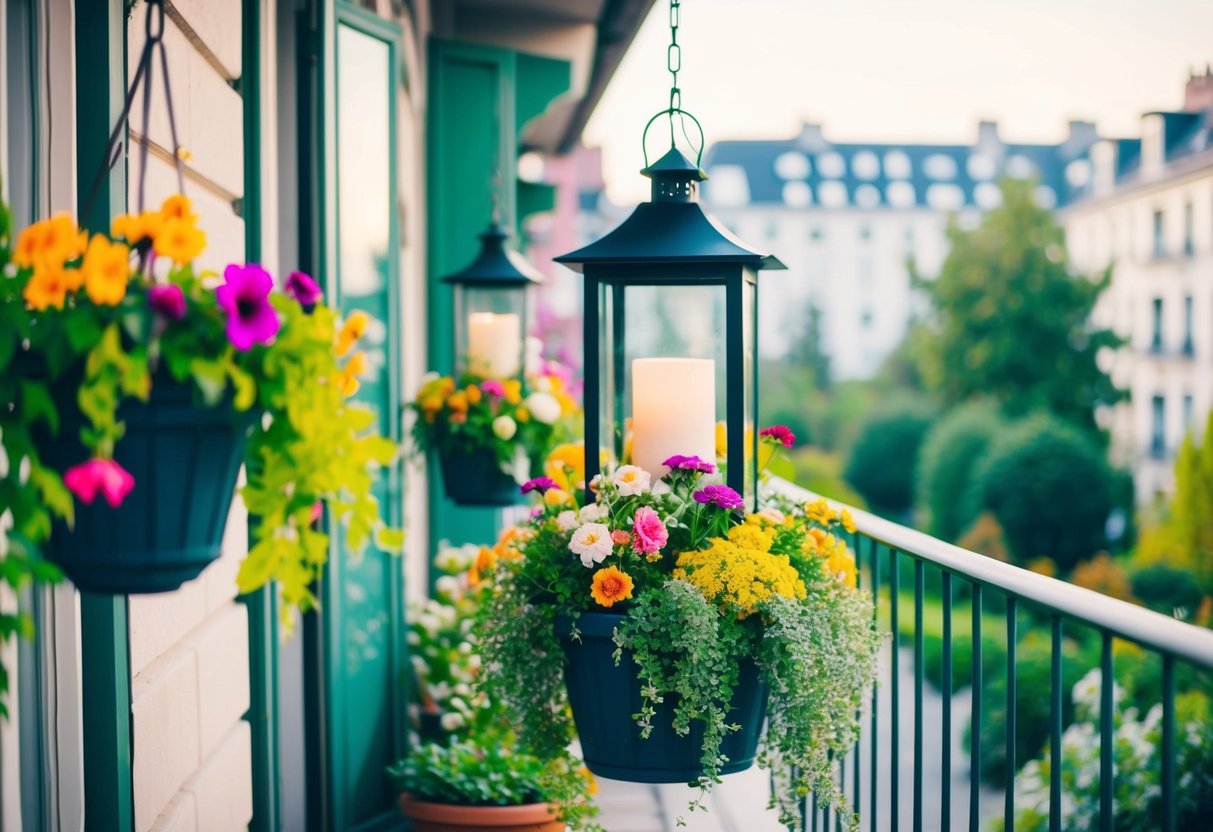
(365, 143)
(1147, 212)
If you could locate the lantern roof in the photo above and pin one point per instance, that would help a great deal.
(671, 228)
(497, 264)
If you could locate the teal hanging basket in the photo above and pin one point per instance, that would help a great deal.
(185, 460)
(604, 696)
(475, 479)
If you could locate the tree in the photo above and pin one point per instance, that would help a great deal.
(882, 462)
(1184, 539)
(1049, 487)
(806, 350)
(1011, 321)
(949, 454)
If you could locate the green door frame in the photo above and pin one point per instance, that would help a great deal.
(104, 649)
(331, 711)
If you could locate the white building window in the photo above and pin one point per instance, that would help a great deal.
(1159, 244)
(1158, 427)
(1189, 347)
(1156, 326)
(1189, 231)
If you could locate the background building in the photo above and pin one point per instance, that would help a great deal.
(1147, 211)
(846, 218)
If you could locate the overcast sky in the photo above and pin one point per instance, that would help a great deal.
(895, 70)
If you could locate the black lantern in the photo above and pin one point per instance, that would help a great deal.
(491, 305)
(671, 333)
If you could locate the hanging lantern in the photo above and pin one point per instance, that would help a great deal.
(671, 327)
(492, 306)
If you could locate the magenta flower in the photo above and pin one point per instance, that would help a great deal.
(779, 433)
(102, 476)
(541, 484)
(649, 534)
(303, 289)
(681, 462)
(720, 496)
(493, 387)
(168, 300)
(245, 298)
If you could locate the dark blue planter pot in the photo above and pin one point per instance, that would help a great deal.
(185, 460)
(604, 696)
(475, 479)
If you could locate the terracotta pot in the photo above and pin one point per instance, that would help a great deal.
(441, 817)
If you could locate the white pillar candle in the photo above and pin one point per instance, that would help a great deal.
(494, 344)
(673, 410)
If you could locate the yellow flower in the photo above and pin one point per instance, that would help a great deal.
(740, 572)
(106, 270)
(593, 783)
(848, 522)
(819, 512)
(486, 559)
(179, 240)
(722, 441)
(353, 329)
(178, 207)
(513, 390)
(841, 565)
(458, 402)
(611, 586)
(473, 393)
(566, 465)
(137, 227)
(522, 415)
(52, 241)
(556, 497)
(48, 287)
(507, 544)
(347, 379)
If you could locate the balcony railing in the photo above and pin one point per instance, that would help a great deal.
(884, 549)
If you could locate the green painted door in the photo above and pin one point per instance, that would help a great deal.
(361, 651)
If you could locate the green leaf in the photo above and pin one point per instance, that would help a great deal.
(244, 385)
(388, 539)
(36, 403)
(211, 378)
(55, 495)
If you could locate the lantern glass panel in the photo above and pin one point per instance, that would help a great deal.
(490, 330)
(663, 369)
(749, 296)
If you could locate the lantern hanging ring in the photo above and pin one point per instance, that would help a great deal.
(673, 64)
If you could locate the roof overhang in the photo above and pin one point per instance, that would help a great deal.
(592, 35)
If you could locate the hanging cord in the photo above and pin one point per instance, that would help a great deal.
(673, 64)
(154, 29)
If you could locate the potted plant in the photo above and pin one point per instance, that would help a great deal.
(465, 771)
(136, 387)
(487, 433)
(666, 625)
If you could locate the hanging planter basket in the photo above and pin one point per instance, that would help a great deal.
(604, 696)
(185, 460)
(442, 817)
(475, 479)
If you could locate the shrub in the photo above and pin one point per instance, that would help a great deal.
(986, 537)
(1167, 590)
(882, 462)
(820, 471)
(946, 461)
(1048, 486)
(1103, 575)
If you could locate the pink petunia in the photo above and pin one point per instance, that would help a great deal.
(303, 289)
(649, 534)
(102, 476)
(244, 296)
(493, 387)
(168, 300)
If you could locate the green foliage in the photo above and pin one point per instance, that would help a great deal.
(1010, 321)
(1167, 590)
(1048, 486)
(468, 773)
(885, 456)
(949, 454)
(806, 350)
(1184, 539)
(820, 471)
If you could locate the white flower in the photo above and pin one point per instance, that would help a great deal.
(23, 470)
(632, 480)
(6, 523)
(429, 623)
(3, 461)
(447, 586)
(504, 428)
(774, 515)
(592, 542)
(414, 638)
(567, 520)
(452, 721)
(593, 513)
(543, 407)
(534, 356)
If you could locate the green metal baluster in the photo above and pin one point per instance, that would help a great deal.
(855, 802)
(1008, 812)
(1107, 772)
(1168, 744)
(975, 720)
(874, 793)
(1055, 718)
(945, 798)
(895, 713)
(919, 589)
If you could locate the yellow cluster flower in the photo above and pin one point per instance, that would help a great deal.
(507, 545)
(172, 231)
(432, 395)
(819, 511)
(47, 247)
(837, 560)
(513, 390)
(565, 465)
(740, 571)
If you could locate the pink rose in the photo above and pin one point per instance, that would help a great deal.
(102, 476)
(649, 534)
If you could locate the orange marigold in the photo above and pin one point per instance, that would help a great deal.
(106, 270)
(48, 287)
(610, 586)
